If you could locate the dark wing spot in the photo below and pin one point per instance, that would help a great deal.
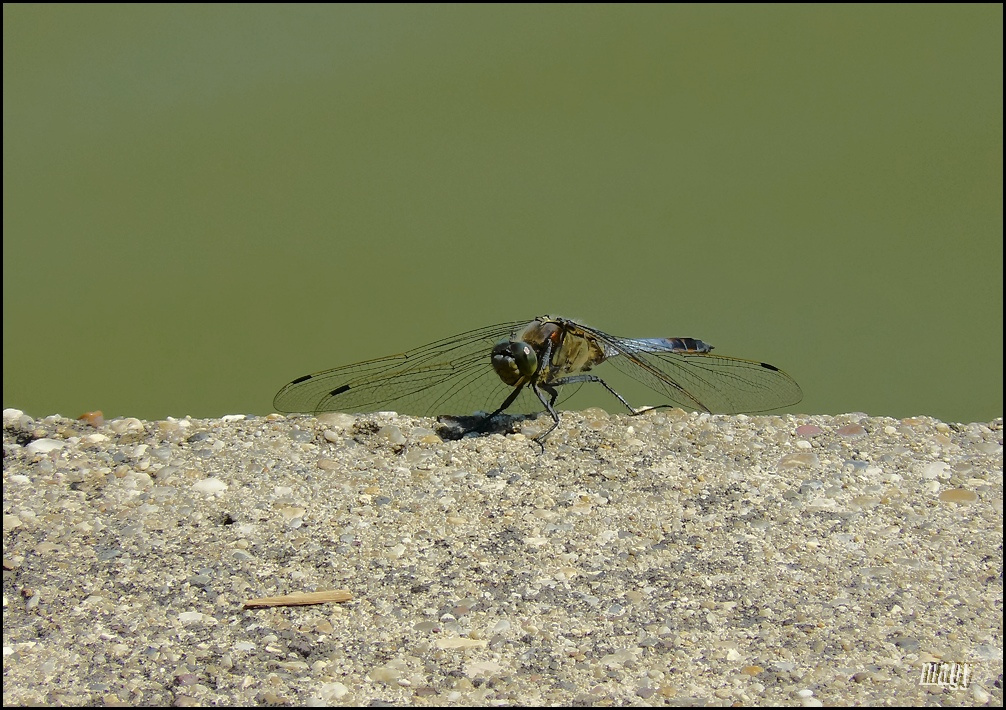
(339, 390)
(773, 368)
(301, 379)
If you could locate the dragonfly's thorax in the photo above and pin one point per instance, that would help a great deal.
(527, 356)
(570, 350)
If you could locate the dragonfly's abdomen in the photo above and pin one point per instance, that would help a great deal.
(671, 345)
(689, 345)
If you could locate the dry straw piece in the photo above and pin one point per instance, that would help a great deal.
(301, 599)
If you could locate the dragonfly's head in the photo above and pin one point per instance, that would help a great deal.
(514, 361)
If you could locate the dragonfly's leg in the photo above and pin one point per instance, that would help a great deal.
(506, 403)
(594, 378)
(553, 394)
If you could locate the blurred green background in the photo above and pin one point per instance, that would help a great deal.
(203, 202)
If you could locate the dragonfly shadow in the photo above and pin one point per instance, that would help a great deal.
(455, 427)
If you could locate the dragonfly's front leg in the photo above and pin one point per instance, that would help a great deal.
(553, 394)
(506, 403)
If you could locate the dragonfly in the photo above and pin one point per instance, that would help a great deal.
(522, 367)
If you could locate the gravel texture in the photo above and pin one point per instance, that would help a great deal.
(669, 558)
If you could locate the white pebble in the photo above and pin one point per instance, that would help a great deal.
(980, 695)
(12, 416)
(392, 434)
(483, 668)
(196, 617)
(127, 425)
(210, 486)
(332, 691)
(936, 469)
(336, 420)
(44, 446)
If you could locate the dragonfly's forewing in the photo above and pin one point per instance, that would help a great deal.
(450, 376)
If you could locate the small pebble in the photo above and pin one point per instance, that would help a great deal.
(958, 495)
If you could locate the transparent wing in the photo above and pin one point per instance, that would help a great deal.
(450, 376)
(700, 381)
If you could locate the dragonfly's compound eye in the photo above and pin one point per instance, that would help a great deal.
(513, 360)
(525, 357)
